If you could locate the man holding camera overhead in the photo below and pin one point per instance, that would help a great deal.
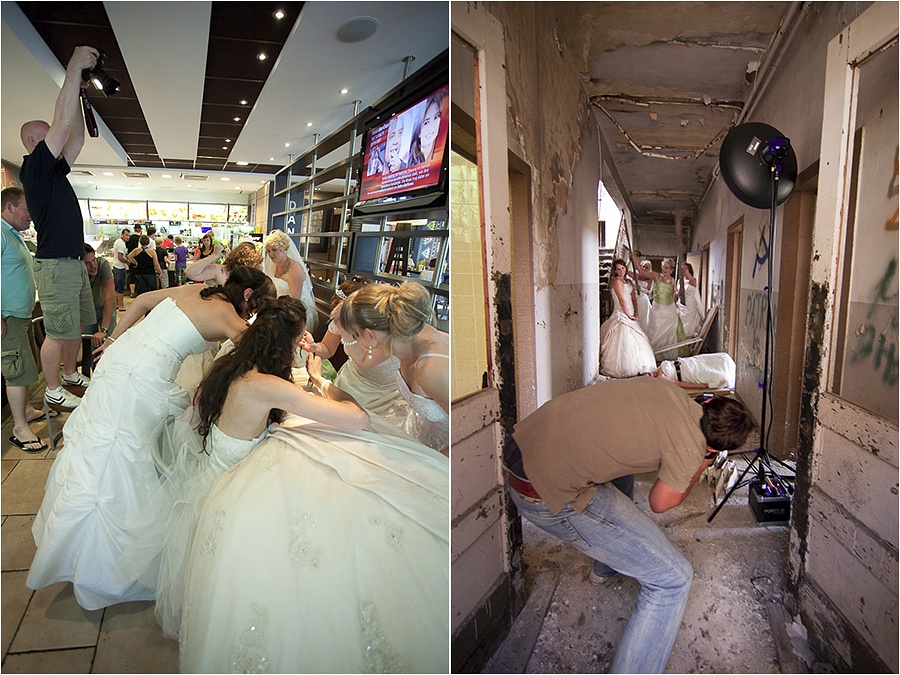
(63, 286)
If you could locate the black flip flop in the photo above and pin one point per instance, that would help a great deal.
(22, 445)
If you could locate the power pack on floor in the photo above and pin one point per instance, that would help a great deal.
(770, 504)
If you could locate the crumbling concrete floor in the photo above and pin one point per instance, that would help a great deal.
(733, 622)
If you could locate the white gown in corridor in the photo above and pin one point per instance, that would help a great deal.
(625, 350)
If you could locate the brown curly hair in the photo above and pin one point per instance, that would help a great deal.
(243, 255)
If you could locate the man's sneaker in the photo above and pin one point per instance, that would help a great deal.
(598, 580)
(77, 379)
(61, 398)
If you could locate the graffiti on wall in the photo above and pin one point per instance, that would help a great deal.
(876, 338)
(762, 249)
(753, 332)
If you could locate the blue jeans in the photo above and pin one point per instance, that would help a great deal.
(612, 528)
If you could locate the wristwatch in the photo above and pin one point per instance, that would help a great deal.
(105, 331)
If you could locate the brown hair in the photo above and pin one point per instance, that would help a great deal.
(401, 311)
(243, 255)
(347, 289)
(11, 195)
(727, 423)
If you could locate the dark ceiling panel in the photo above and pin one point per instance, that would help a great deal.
(238, 32)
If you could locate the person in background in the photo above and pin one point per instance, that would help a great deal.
(625, 350)
(163, 256)
(103, 292)
(167, 242)
(120, 267)
(689, 306)
(133, 243)
(146, 267)
(62, 280)
(428, 273)
(205, 246)
(151, 234)
(17, 286)
(181, 254)
(206, 269)
(665, 324)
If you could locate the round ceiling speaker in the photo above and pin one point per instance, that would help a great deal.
(357, 29)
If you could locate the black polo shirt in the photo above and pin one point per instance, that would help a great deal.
(52, 204)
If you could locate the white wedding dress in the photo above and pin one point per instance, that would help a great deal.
(665, 325)
(104, 474)
(375, 389)
(323, 551)
(625, 350)
(717, 371)
(307, 297)
(691, 312)
(426, 421)
(643, 301)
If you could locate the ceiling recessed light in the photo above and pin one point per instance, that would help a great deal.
(225, 178)
(309, 124)
(262, 56)
(135, 183)
(356, 29)
(108, 173)
(228, 140)
(166, 175)
(287, 145)
(242, 163)
(90, 181)
(237, 119)
(224, 147)
(243, 101)
(279, 14)
(188, 185)
(345, 91)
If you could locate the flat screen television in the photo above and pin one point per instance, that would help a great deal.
(404, 160)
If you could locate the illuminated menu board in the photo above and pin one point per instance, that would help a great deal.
(117, 210)
(212, 213)
(168, 210)
(237, 213)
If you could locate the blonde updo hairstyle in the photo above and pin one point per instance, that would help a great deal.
(401, 311)
(243, 255)
(646, 265)
(668, 262)
(278, 240)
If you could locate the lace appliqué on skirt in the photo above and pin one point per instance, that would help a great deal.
(210, 542)
(303, 551)
(249, 654)
(393, 533)
(380, 656)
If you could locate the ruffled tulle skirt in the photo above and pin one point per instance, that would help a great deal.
(625, 350)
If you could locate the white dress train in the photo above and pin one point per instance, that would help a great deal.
(717, 371)
(322, 551)
(625, 350)
(691, 311)
(104, 475)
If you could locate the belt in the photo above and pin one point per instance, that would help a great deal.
(520, 485)
(678, 369)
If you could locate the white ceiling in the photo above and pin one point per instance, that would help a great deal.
(164, 45)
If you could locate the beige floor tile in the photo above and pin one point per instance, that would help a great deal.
(55, 620)
(7, 466)
(132, 642)
(14, 601)
(23, 489)
(65, 661)
(18, 544)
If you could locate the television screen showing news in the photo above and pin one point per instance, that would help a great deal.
(406, 152)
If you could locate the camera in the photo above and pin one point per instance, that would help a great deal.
(101, 79)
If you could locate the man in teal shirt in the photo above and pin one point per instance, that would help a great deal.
(19, 366)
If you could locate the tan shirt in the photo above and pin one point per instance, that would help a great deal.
(614, 428)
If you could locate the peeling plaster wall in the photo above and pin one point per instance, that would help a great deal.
(843, 563)
(551, 127)
(792, 103)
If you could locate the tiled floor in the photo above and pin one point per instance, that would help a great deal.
(46, 631)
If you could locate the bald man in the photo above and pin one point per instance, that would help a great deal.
(63, 286)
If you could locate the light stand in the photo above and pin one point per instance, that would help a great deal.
(760, 168)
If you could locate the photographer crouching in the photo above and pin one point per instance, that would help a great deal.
(62, 280)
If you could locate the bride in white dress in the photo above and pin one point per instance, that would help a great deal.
(284, 264)
(104, 474)
(290, 562)
(625, 350)
(689, 306)
(371, 381)
(397, 318)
